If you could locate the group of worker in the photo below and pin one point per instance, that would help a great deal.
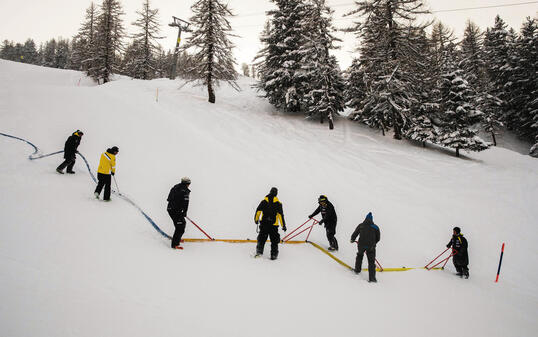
(105, 170)
(269, 215)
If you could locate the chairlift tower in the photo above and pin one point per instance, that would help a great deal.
(182, 25)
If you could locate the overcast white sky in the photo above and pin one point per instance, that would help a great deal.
(45, 19)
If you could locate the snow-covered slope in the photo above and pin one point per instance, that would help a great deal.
(74, 266)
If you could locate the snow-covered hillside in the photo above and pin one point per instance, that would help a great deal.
(74, 266)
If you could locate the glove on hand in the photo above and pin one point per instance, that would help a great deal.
(351, 241)
(256, 222)
(113, 173)
(448, 246)
(284, 228)
(310, 217)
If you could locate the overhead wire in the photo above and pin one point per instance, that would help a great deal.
(436, 11)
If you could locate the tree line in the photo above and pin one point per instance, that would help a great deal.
(409, 77)
(100, 50)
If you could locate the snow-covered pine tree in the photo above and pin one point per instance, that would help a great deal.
(524, 82)
(143, 65)
(325, 93)
(281, 77)
(441, 38)
(497, 54)
(84, 41)
(213, 60)
(7, 49)
(62, 54)
(210, 38)
(426, 105)
(29, 52)
(355, 90)
(49, 54)
(387, 52)
(108, 41)
(473, 65)
(457, 110)
(129, 62)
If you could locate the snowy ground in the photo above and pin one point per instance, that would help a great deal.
(74, 266)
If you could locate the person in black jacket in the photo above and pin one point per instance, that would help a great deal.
(178, 204)
(70, 152)
(369, 236)
(328, 217)
(271, 214)
(461, 258)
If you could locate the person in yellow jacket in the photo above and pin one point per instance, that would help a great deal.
(107, 168)
(271, 214)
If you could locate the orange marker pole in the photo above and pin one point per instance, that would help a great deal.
(500, 261)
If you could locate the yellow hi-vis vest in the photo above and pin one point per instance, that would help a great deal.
(107, 164)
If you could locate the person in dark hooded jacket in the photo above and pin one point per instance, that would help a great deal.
(70, 152)
(269, 215)
(461, 258)
(178, 204)
(369, 236)
(328, 218)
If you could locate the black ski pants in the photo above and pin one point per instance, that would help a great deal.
(104, 180)
(331, 231)
(461, 263)
(69, 163)
(271, 231)
(370, 255)
(179, 223)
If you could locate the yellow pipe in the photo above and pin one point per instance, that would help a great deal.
(348, 267)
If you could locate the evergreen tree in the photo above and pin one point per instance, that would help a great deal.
(497, 54)
(49, 54)
(108, 41)
(144, 63)
(30, 52)
(458, 110)
(388, 34)
(213, 59)
(84, 42)
(281, 77)
(8, 51)
(473, 63)
(524, 93)
(325, 84)
(61, 58)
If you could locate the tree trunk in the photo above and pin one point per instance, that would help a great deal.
(457, 152)
(493, 137)
(211, 92)
(423, 144)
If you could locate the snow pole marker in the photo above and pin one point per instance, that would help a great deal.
(500, 262)
(157, 95)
